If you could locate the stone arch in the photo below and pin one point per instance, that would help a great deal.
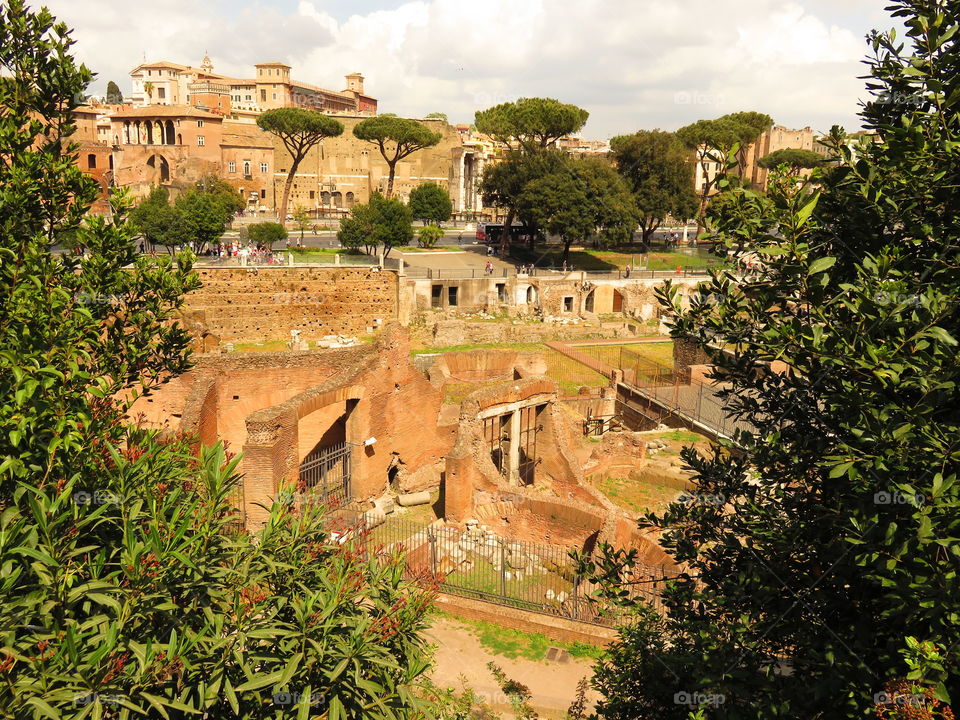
(533, 296)
(589, 301)
(337, 198)
(325, 198)
(168, 125)
(149, 128)
(350, 200)
(161, 168)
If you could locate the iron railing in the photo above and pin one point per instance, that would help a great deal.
(327, 473)
(478, 564)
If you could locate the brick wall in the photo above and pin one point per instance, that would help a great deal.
(238, 304)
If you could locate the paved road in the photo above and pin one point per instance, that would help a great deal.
(328, 238)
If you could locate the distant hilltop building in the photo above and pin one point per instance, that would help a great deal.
(167, 83)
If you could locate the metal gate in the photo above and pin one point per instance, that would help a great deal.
(328, 471)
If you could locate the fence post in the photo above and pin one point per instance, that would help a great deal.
(503, 568)
(576, 596)
(433, 550)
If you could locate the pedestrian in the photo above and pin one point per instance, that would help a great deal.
(460, 239)
(141, 248)
(627, 272)
(488, 269)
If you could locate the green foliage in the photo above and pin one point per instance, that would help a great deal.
(267, 233)
(838, 536)
(301, 218)
(530, 125)
(122, 593)
(437, 116)
(793, 158)
(720, 141)
(430, 203)
(114, 96)
(383, 222)
(428, 235)
(585, 198)
(533, 123)
(299, 130)
(396, 138)
(198, 217)
(655, 165)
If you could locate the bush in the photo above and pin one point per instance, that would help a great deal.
(267, 233)
(428, 235)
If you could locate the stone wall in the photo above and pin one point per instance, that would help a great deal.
(237, 304)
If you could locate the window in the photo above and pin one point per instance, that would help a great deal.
(501, 292)
(91, 161)
(200, 140)
(199, 123)
(274, 96)
(312, 194)
(246, 167)
(568, 304)
(232, 166)
(264, 167)
(161, 93)
(263, 96)
(452, 296)
(263, 194)
(436, 295)
(249, 97)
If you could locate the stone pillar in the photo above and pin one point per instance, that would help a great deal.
(459, 480)
(336, 259)
(269, 461)
(513, 456)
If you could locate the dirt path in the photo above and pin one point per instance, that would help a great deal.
(459, 653)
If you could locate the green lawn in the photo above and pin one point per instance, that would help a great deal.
(518, 644)
(612, 260)
(659, 352)
(638, 497)
(438, 248)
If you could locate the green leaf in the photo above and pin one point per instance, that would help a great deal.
(821, 264)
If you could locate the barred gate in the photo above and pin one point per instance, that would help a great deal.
(328, 471)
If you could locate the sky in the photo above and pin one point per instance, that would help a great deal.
(633, 64)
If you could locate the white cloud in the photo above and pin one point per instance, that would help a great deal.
(627, 61)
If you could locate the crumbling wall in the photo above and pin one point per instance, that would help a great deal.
(264, 303)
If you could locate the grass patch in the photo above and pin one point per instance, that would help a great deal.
(271, 346)
(438, 248)
(658, 352)
(612, 260)
(518, 644)
(635, 496)
(455, 392)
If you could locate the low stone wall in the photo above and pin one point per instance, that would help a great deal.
(445, 333)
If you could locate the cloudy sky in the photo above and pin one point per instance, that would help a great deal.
(632, 63)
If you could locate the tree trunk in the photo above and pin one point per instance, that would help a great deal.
(505, 235)
(286, 191)
(393, 172)
(566, 250)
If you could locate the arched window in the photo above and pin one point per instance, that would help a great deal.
(246, 167)
(350, 200)
(588, 303)
(325, 198)
(531, 295)
(338, 199)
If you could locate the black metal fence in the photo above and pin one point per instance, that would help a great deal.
(477, 563)
(327, 473)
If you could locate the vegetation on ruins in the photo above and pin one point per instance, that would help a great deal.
(382, 223)
(713, 141)
(430, 203)
(527, 125)
(794, 158)
(266, 234)
(585, 198)
(655, 163)
(122, 593)
(827, 584)
(395, 138)
(300, 130)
